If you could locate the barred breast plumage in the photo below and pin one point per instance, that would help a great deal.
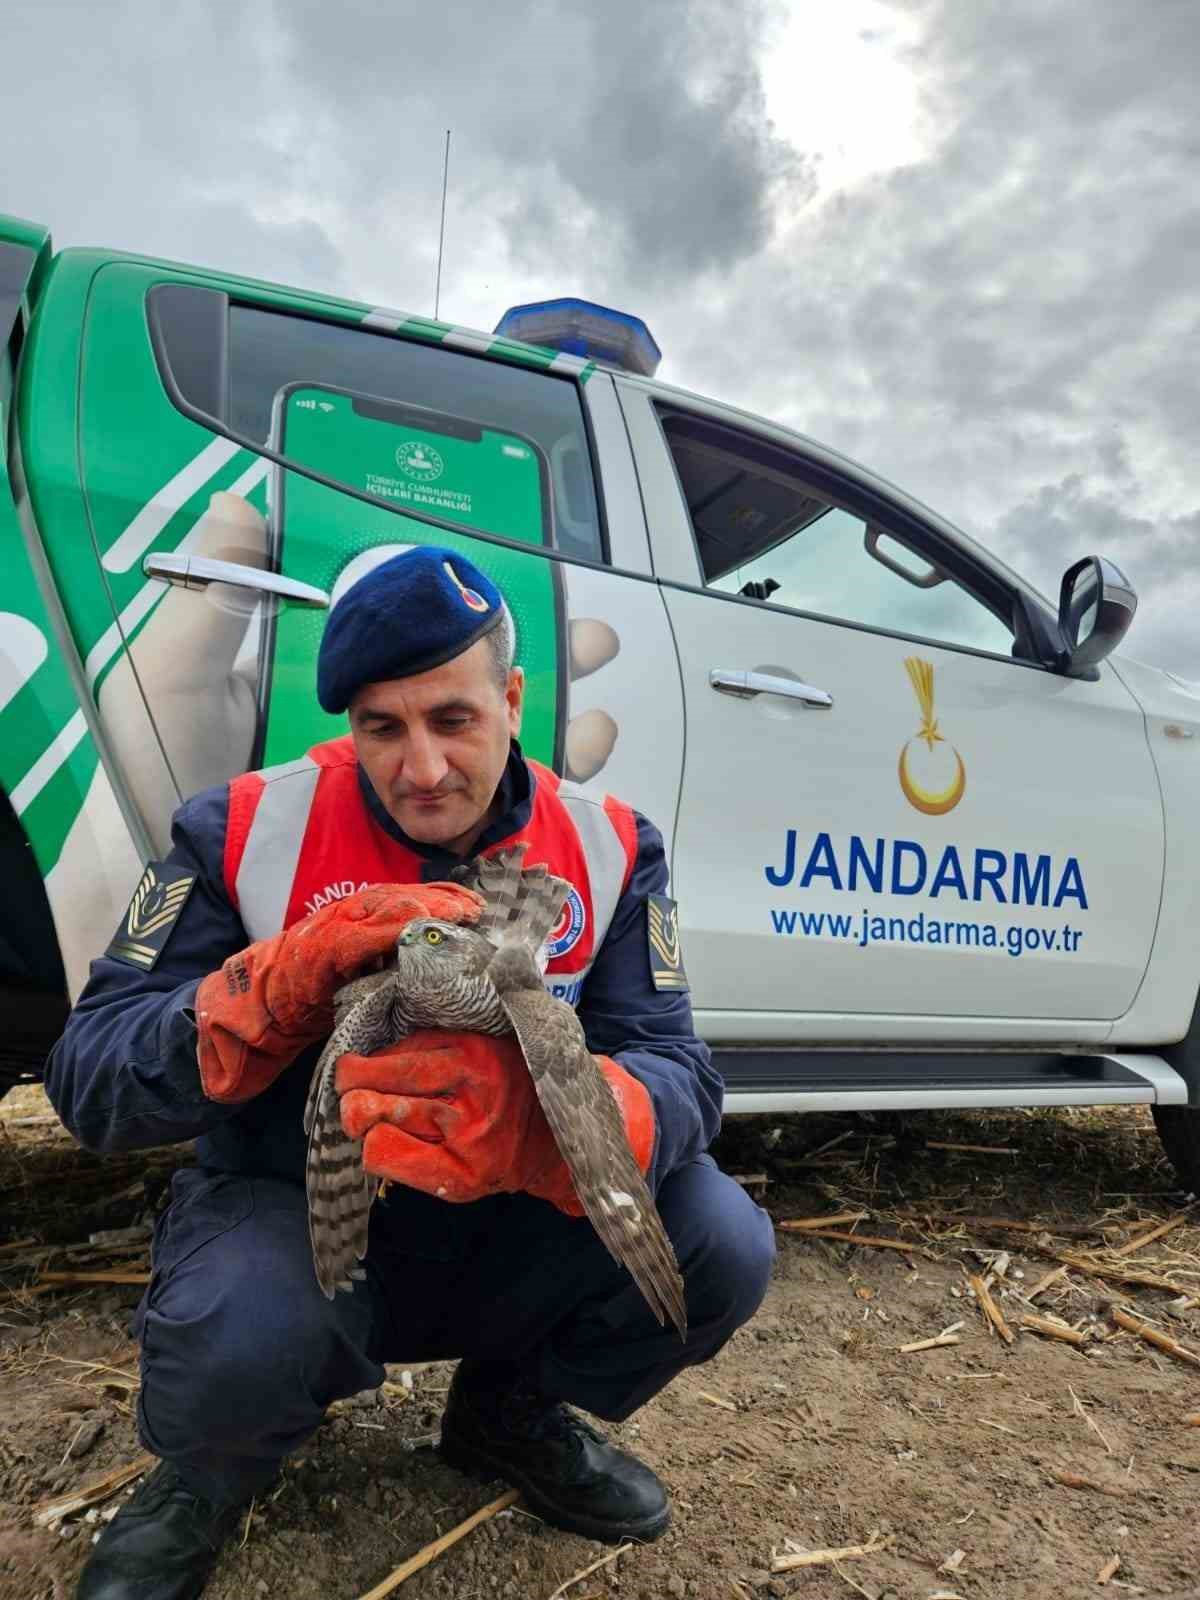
(487, 979)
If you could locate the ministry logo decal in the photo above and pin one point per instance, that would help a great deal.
(420, 461)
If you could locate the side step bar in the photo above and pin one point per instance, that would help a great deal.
(904, 1080)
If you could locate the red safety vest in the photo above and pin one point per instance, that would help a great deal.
(301, 835)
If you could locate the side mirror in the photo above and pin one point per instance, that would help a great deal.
(1096, 604)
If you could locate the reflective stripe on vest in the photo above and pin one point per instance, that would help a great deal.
(608, 865)
(269, 818)
(263, 881)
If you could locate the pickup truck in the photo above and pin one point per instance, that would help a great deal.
(932, 841)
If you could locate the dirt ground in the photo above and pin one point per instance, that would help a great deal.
(811, 1430)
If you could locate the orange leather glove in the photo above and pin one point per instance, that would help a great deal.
(456, 1114)
(275, 998)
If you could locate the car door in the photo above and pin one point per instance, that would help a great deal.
(891, 826)
(526, 469)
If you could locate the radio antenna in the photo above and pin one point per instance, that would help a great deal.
(437, 293)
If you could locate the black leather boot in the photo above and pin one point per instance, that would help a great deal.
(568, 1473)
(161, 1545)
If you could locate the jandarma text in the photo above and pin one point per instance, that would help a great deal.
(902, 866)
(865, 928)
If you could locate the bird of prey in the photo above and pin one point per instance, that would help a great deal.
(487, 979)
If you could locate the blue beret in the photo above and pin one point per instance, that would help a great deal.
(410, 614)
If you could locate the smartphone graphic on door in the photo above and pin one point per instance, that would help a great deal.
(403, 455)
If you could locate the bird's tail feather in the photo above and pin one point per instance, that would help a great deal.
(522, 906)
(339, 1191)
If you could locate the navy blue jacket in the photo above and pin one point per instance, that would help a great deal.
(124, 1074)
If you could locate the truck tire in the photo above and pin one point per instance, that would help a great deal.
(29, 1023)
(33, 990)
(1179, 1126)
(1179, 1131)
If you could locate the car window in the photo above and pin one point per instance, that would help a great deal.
(766, 531)
(244, 366)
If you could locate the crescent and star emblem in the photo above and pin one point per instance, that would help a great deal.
(155, 904)
(933, 802)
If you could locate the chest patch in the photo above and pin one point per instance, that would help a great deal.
(568, 931)
(156, 906)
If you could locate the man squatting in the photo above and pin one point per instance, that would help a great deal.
(479, 1250)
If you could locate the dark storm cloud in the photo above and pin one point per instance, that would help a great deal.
(593, 147)
(631, 138)
(1065, 515)
(1009, 326)
(1040, 534)
(164, 130)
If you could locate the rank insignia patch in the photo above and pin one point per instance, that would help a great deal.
(662, 931)
(153, 912)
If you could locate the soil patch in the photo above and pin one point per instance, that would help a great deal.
(1012, 1472)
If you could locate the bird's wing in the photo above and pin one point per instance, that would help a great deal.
(521, 907)
(353, 993)
(339, 1191)
(590, 1133)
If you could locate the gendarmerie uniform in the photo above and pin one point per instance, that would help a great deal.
(241, 1352)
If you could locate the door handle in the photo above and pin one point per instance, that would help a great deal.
(745, 685)
(197, 572)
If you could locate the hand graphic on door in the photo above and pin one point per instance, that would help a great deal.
(197, 658)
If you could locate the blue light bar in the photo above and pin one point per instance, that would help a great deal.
(582, 328)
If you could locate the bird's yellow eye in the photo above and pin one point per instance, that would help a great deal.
(434, 936)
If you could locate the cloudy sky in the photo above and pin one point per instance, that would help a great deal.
(958, 239)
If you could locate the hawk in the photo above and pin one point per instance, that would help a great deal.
(487, 979)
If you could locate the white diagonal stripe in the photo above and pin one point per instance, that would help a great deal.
(47, 764)
(157, 512)
(565, 362)
(23, 648)
(251, 478)
(109, 642)
(151, 592)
